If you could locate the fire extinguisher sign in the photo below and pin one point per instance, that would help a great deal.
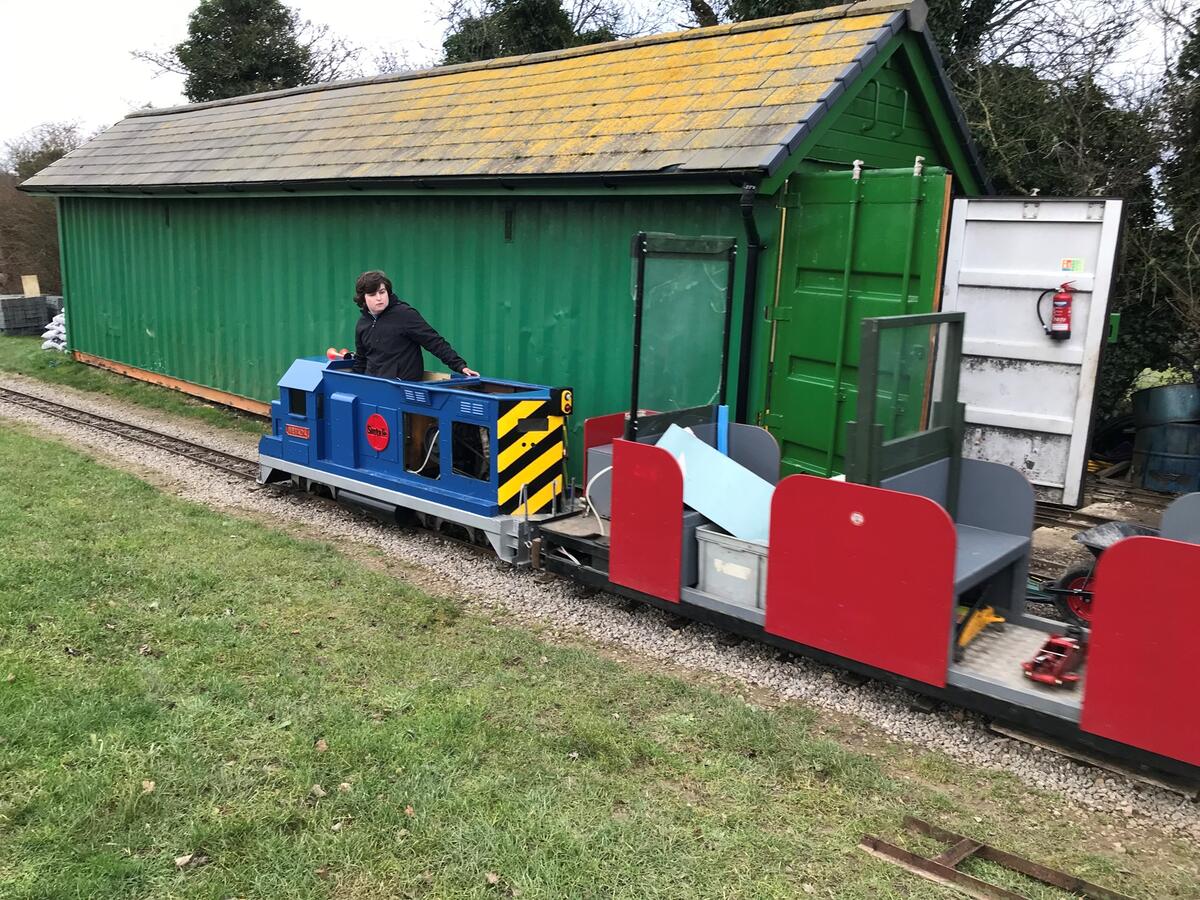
(1070, 264)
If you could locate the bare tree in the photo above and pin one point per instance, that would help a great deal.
(334, 58)
(37, 148)
(390, 62)
(29, 224)
(620, 19)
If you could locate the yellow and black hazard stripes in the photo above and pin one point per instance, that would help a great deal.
(530, 447)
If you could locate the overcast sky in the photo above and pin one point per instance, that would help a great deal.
(71, 60)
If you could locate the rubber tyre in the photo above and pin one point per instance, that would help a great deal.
(1076, 609)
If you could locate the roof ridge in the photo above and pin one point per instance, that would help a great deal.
(849, 10)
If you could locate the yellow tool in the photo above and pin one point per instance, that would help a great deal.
(976, 622)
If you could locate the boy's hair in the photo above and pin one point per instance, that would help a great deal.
(368, 283)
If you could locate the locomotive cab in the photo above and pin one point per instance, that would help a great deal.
(295, 416)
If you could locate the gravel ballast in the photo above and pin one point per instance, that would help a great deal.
(567, 611)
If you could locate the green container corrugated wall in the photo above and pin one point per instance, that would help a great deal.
(226, 292)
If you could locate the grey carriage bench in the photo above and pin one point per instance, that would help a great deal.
(907, 436)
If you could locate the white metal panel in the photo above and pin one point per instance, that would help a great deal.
(1029, 398)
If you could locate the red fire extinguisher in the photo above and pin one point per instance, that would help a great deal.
(1059, 328)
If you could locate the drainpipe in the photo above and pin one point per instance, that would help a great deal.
(754, 246)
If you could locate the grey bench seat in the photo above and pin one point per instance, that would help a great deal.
(995, 518)
(981, 553)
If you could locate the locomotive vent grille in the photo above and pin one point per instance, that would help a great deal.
(471, 408)
(416, 396)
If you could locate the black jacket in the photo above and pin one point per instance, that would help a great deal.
(389, 345)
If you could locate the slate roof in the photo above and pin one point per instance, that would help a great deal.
(709, 100)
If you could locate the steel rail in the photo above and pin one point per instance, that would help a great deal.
(943, 868)
(209, 456)
(1047, 514)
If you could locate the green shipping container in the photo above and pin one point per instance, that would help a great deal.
(532, 289)
(212, 244)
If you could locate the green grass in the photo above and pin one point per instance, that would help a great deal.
(143, 639)
(24, 356)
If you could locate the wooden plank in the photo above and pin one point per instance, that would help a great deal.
(1114, 470)
(245, 404)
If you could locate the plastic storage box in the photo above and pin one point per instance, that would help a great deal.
(732, 569)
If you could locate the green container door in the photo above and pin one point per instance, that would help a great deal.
(853, 248)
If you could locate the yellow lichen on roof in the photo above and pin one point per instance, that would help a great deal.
(729, 97)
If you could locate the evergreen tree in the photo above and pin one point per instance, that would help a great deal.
(1181, 168)
(1174, 252)
(237, 47)
(516, 27)
(241, 47)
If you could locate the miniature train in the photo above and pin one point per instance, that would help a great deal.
(381, 444)
(871, 577)
(912, 570)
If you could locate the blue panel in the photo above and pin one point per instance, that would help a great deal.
(304, 374)
(415, 396)
(342, 433)
(718, 488)
(391, 452)
(296, 450)
(471, 408)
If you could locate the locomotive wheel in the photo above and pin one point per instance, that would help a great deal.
(1076, 607)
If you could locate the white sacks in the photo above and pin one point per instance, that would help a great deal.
(55, 335)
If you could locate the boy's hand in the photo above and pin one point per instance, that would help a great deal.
(470, 373)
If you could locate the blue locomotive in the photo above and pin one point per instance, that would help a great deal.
(485, 454)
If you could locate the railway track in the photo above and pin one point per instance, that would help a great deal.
(1060, 517)
(198, 453)
(1149, 506)
(1110, 489)
(1045, 515)
(193, 452)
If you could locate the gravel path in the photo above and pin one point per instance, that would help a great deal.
(568, 611)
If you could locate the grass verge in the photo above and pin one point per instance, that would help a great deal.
(191, 705)
(24, 356)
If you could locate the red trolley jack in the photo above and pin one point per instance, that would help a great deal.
(1059, 659)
